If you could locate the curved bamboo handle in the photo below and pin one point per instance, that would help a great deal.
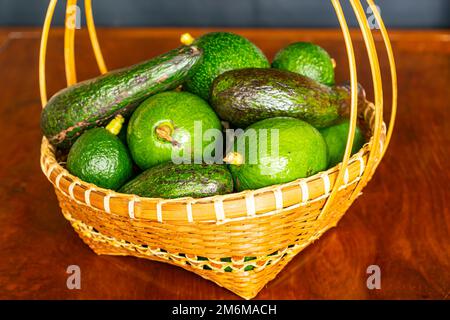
(354, 107)
(93, 36)
(69, 42)
(374, 155)
(43, 51)
(391, 59)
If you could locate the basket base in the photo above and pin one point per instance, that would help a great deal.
(232, 274)
(245, 284)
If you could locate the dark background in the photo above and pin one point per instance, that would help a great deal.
(229, 13)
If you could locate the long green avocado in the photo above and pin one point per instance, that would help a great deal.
(169, 180)
(94, 102)
(246, 96)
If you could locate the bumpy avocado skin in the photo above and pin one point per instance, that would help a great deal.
(95, 102)
(99, 157)
(307, 59)
(301, 152)
(184, 112)
(222, 51)
(169, 180)
(336, 138)
(246, 96)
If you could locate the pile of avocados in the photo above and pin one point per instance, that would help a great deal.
(121, 130)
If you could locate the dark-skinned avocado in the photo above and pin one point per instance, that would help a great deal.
(307, 59)
(170, 180)
(100, 157)
(169, 126)
(222, 51)
(95, 102)
(275, 151)
(336, 138)
(246, 96)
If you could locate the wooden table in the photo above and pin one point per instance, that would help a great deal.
(401, 223)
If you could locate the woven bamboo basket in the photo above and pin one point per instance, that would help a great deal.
(240, 241)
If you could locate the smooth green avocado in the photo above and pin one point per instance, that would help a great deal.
(169, 180)
(171, 124)
(293, 149)
(99, 157)
(222, 51)
(307, 59)
(336, 139)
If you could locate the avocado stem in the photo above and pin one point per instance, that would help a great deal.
(333, 62)
(187, 39)
(234, 158)
(115, 125)
(164, 131)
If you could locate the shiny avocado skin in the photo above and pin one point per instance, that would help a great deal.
(299, 151)
(307, 59)
(94, 102)
(99, 157)
(181, 110)
(169, 180)
(246, 96)
(336, 139)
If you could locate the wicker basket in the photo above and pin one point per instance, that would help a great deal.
(240, 241)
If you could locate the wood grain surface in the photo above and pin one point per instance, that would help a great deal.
(401, 223)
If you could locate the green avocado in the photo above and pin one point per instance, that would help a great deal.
(95, 102)
(307, 59)
(336, 138)
(169, 126)
(222, 51)
(169, 180)
(246, 96)
(274, 151)
(99, 157)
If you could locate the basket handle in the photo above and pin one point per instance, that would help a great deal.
(374, 155)
(69, 44)
(93, 36)
(43, 51)
(391, 58)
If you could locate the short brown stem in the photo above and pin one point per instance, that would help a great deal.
(234, 158)
(164, 132)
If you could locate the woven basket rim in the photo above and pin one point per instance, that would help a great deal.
(73, 187)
